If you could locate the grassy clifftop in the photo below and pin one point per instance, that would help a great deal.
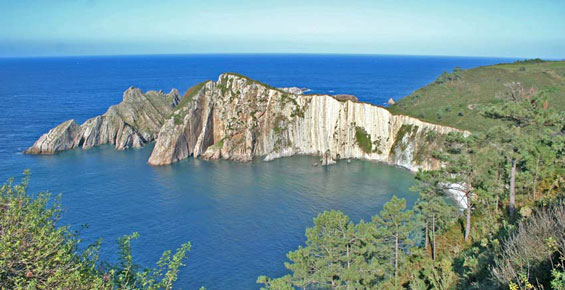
(454, 98)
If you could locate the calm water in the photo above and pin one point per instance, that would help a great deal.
(240, 218)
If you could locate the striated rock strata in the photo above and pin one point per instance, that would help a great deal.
(130, 124)
(236, 118)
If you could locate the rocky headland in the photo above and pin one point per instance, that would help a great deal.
(130, 124)
(237, 118)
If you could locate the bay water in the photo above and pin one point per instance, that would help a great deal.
(241, 218)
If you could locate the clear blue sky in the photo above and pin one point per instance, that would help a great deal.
(516, 28)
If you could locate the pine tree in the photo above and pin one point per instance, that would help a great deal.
(335, 255)
(528, 115)
(435, 213)
(459, 173)
(394, 225)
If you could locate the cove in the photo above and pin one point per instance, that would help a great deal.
(241, 218)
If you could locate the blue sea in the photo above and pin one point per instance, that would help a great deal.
(240, 218)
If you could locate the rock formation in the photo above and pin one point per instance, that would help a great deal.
(343, 98)
(294, 90)
(130, 124)
(236, 118)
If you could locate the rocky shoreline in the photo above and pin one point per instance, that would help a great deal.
(237, 118)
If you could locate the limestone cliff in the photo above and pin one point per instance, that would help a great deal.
(237, 118)
(132, 123)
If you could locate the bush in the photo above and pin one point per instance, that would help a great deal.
(530, 61)
(35, 253)
(534, 251)
(363, 140)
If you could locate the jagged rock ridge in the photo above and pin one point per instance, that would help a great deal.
(130, 124)
(236, 118)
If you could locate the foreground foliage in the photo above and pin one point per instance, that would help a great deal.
(35, 253)
(535, 249)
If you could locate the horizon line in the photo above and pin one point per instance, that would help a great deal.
(272, 53)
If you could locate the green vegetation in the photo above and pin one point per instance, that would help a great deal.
(530, 61)
(535, 244)
(339, 253)
(254, 81)
(35, 253)
(511, 235)
(510, 174)
(363, 139)
(279, 124)
(365, 143)
(220, 144)
(429, 142)
(178, 118)
(455, 99)
(298, 111)
(187, 99)
(405, 130)
(190, 94)
(449, 77)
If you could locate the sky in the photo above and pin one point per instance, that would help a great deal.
(516, 28)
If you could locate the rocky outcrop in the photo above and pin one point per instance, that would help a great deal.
(60, 138)
(237, 118)
(343, 98)
(294, 90)
(130, 124)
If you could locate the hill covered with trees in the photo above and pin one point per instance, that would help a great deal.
(510, 172)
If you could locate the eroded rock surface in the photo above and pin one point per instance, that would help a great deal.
(130, 124)
(236, 118)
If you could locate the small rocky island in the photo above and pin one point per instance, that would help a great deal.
(237, 118)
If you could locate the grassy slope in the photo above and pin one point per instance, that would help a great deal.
(190, 93)
(455, 103)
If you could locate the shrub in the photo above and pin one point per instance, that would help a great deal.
(363, 140)
(36, 253)
(534, 251)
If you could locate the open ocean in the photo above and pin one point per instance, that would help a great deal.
(240, 218)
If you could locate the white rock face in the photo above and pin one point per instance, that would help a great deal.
(237, 118)
(330, 125)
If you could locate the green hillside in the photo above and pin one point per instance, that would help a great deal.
(455, 98)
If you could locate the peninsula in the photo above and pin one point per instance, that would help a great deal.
(237, 118)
